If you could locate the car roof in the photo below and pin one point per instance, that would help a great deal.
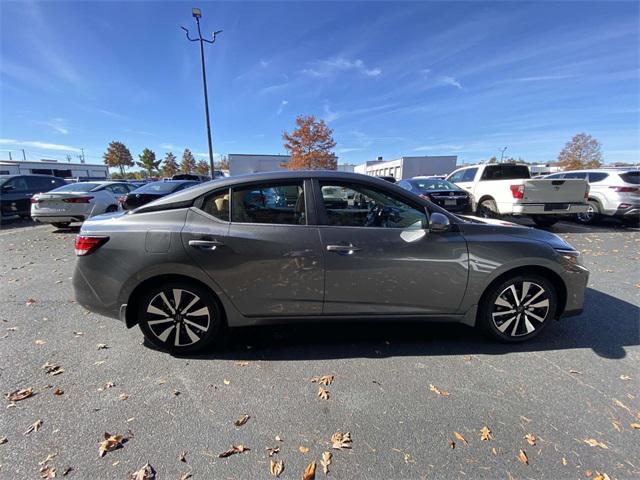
(204, 187)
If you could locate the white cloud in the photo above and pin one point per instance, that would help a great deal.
(283, 104)
(329, 115)
(349, 149)
(264, 63)
(332, 66)
(543, 78)
(441, 80)
(37, 144)
(170, 146)
(58, 125)
(440, 147)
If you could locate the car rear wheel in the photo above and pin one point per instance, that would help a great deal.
(487, 209)
(61, 224)
(179, 317)
(591, 215)
(518, 309)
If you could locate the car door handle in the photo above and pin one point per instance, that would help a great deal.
(205, 244)
(343, 249)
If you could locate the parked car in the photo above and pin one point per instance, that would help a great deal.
(75, 202)
(445, 194)
(388, 178)
(199, 178)
(188, 265)
(16, 192)
(508, 189)
(612, 193)
(153, 191)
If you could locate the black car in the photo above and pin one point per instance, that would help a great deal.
(388, 178)
(154, 190)
(16, 192)
(445, 194)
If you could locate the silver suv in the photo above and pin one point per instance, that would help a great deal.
(613, 192)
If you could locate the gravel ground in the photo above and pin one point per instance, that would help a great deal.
(579, 382)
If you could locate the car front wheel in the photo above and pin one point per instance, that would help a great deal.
(519, 308)
(179, 317)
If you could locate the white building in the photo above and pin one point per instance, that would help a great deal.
(408, 167)
(82, 171)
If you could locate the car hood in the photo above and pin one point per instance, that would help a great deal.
(513, 229)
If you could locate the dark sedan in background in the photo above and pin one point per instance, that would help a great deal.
(444, 194)
(153, 191)
(16, 192)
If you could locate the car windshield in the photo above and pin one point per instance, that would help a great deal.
(159, 187)
(434, 184)
(81, 187)
(3, 179)
(631, 177)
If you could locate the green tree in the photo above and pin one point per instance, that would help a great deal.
(170, 165)
(310, 145)
(118, 155)
(583, 151)
(188, 163)
(202, 167)
(148, 161)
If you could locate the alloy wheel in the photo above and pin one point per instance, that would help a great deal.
(178, 317)
(589, 215)
(520, 309)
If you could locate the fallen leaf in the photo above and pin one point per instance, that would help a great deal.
(40, 342)
(460, 437)
(242, 364)
(30, 301)
(452, 444)
(341, 440)
(530, 438)
(78, 334)
(176, 393)
(616, 425)
(309, 472)
(52, 369)
(635, 426)
(442, 393)
(67, 471)
(326, 461)
(271, 451)
(110, 443)
(232, 451)
(242, 420)
(523, 457)
(145, 473)
(303, 449)
(123, 396)
(34, 427)
(324, 380)
(576, 372)
(601, 476)
(564, 461)
(185, 476)
(277, 438)
(276, 467)
(592, 442)
(106, 386)
(58, 391)
(182, 457)
(625, 377)
(20, 394)
(47, 472)
(485, 433)
(3, 440)
(226, 382)
(323, 393)
(50, 457)
(102, 346)
(494, 451)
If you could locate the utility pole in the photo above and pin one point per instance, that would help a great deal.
(502, 153)
(196, 13)
(24, 155)
(82, 158)
(10, 156)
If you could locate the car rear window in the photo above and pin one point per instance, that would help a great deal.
(595, 177)
(631, 177)
(505, 172)
(77, 187)
(159, 187)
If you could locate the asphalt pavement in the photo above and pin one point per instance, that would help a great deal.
(414, 397)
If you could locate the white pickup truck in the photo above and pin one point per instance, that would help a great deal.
(508, 189)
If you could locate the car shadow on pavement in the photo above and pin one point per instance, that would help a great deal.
(607, 327)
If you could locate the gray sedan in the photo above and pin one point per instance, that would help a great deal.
(278, 247)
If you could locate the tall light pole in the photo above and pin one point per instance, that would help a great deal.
(502, 153)
(197, 14)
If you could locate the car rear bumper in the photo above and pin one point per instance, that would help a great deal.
(58, 218)
(549, 208)
(87, 296)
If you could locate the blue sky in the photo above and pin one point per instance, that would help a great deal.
(391, 79)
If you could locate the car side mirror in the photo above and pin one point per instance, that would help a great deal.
(439, 223)
(8, 188)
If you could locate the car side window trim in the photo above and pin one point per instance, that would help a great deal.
(199, 203)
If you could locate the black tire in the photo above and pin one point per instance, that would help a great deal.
(487, 208)
(544, 221)
(195, 332)
(591, 215)
(61, 224)
(111, 209)
(536, 301)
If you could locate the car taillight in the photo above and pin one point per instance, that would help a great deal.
(86, 245)
(517, 191)
(121, 199)
(34, 200)
(77, 200)
(624, 189)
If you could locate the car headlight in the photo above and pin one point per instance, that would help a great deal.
(573, 257)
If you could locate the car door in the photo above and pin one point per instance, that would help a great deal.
(16, 196)
(380, 257)
(268, 258)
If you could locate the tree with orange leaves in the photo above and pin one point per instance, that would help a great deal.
(310, 145)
